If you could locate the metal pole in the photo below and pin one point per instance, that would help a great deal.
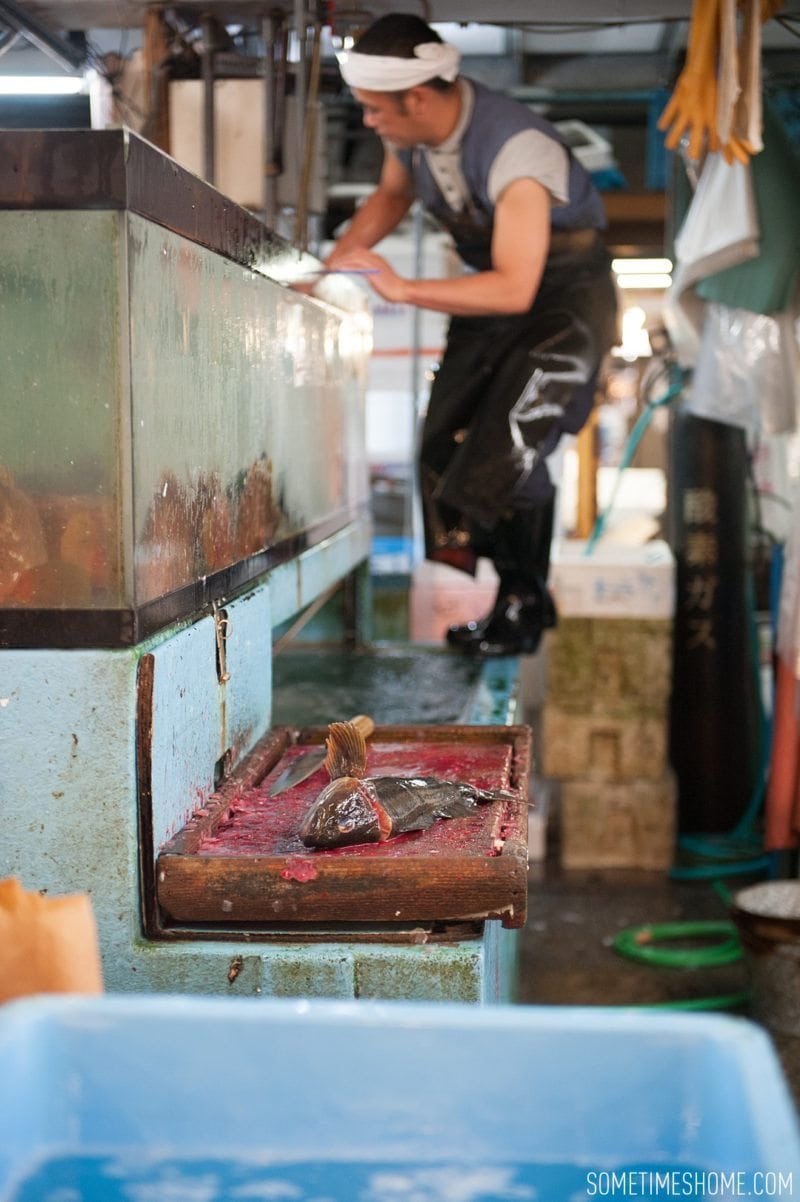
(413, 517)
(209, 35)
(299, 96)
(309, 144)
(270, 167)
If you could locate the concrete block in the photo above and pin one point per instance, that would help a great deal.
(602, 748)
(610, 666)
(613, 825)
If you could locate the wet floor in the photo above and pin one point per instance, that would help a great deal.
(568, 955)
(568, 952)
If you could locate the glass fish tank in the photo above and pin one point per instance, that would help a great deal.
(173, 412)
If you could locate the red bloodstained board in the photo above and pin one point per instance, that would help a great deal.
(240, 858)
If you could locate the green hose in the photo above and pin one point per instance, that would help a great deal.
(722, 1001)
(644, 943)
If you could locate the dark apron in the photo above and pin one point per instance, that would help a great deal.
(506, 390)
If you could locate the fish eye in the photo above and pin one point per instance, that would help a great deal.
(347, 824)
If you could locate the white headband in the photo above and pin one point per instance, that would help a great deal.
(384, 73)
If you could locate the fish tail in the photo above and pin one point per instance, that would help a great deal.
(487, 795)
(347, 751)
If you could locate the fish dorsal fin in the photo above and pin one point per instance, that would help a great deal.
(347, 751)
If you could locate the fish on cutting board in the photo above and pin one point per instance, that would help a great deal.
(356, 808)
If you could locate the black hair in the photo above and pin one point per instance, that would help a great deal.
(398, 34)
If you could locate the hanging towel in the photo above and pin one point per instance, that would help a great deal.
(766, 283)
(720, 229)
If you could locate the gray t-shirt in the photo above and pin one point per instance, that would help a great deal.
(528, 154)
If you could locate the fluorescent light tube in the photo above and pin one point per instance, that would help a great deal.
(41, 85)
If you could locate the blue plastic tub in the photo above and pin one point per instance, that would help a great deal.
(167, 1099)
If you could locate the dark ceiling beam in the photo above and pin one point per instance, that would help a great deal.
(8, 38)
(130, 14)
(41, 35)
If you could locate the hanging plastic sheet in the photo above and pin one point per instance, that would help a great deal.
(747, 371)
(739, 242)
(773, 480)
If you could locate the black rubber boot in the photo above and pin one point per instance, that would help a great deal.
(523, 607)
(483, 543)
(535, 594)
(466, 632)
(515, 627)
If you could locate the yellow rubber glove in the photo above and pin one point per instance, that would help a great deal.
(692, 107)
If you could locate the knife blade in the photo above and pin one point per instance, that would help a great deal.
(308, 763)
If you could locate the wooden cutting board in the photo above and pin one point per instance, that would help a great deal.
(239, 859)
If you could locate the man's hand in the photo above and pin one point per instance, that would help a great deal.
(376, 271)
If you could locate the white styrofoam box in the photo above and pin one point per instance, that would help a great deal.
(637, 489)
(394, 329)
(239, 141)
(590, 149)
(391, 426)
(400, 250)
(441, 596)
(400, 370)
(614, 580)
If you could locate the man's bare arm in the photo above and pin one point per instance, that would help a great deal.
(380, 213)
(519, 251)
